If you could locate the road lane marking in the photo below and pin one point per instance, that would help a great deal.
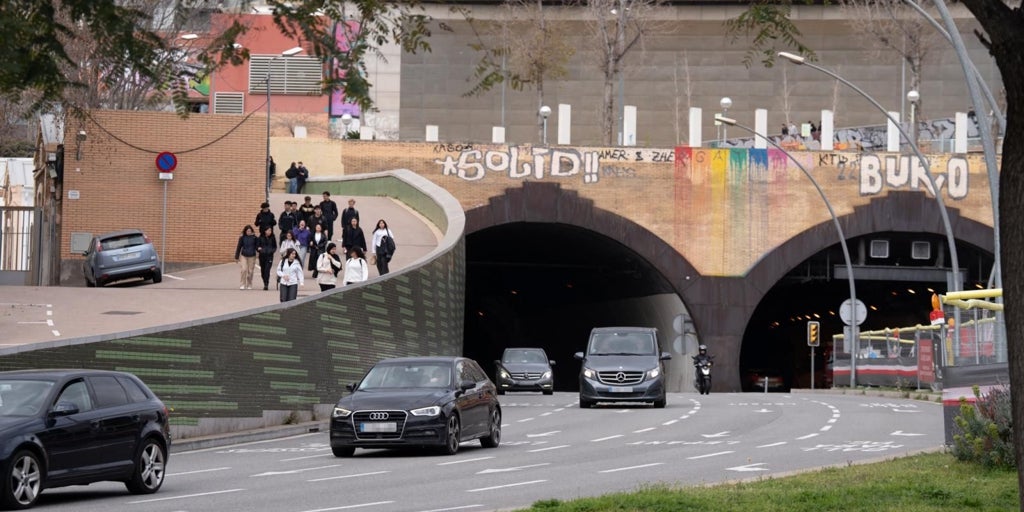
(183, 496)
(669, 422)
(548, 448)
(902, 433)
(463, 460)
(174, 277)
(631, 467)
(196, 471)
(294, 471)
(524, 420)
(347, 507)
(516, 468)
(308, 457)
(545, 414)
(482, 489)
(709, 455)
(808, 436)
(826, 428)
(749, 467)
(724, 433)
(624, 411)
(598, 440)
(544, 434)
(833, 420)
(56, 332)
(49, 322)
(780, 443)
(464, 507)
(648, 429)
(348, 476)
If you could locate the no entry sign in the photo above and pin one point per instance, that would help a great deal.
(166, 161)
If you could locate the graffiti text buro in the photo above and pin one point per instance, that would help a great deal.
(536, 163)
(909, 172)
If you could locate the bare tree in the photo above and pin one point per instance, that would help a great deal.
(618, 26)
(687, 90)
(521, 49)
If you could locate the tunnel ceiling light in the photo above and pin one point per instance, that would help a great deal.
(873, 308)
(817, 315)
(911, 291)
(930, 290)
(831, 312)
(513, 292)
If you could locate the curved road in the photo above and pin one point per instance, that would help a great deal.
(550, 449)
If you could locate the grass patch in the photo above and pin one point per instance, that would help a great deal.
(922, 483)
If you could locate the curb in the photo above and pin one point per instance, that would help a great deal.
(247, 436)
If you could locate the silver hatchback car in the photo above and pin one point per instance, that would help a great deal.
(121, 255)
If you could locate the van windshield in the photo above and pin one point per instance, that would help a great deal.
(624, 344)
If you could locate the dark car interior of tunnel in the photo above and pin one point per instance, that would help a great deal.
(895, 276)
(547, 285)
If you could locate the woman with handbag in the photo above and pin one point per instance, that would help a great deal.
(383, 247)
(328, 265)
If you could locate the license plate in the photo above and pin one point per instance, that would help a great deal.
(129, 256)
(620, 389)
(389, 426)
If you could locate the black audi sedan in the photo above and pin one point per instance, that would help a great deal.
(418, 402)
(76, 427)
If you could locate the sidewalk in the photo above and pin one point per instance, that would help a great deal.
(35, 314)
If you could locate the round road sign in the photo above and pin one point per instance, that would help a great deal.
(166, 161)
(853, 312)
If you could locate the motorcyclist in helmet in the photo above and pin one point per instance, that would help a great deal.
(702, 356)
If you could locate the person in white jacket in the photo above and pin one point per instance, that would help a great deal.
(356, 268)
(328, 265)
(291, 274)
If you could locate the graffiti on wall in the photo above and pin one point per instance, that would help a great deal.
(473, 164)
(939, 133)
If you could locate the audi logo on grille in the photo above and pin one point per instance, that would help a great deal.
(621, 377)
(378, 415)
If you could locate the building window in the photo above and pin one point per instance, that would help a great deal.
(297, 75)
(228, 103)
(880, 249)
(921, 250)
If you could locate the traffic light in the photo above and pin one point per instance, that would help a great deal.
(813, 334)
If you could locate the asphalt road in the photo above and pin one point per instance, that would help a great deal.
(550, 449)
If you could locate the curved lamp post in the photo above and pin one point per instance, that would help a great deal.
(835, 220)
(287, 53)
(913, 97)
(950, 239)
(725, 103)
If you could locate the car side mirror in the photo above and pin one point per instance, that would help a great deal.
(64, 408)
(351, 386)
(467, 385)
(551, 362)
(665, 356)
(578, 355)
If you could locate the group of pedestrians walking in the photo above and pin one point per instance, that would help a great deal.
(306, 244)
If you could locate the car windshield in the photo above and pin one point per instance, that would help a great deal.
(123, 241)
(415, 375)
(23, 397)
(524, 356)
(627, 344)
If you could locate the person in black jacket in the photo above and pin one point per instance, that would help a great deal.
(265, 219)
(246, 248)
(353, 236)
(287, 220)
(330, 211)
(347, 214)
(266, 246)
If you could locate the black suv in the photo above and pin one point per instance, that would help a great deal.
(524, 369)
(622, 364)
(76, 427)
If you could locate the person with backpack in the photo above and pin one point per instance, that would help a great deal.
(383, 247)
(293, 179)
(291, 274)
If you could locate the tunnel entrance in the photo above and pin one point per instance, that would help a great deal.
(546, 285)
(895, 276)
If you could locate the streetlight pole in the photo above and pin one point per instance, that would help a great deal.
(835, 220)
(621, 42)
(725, 103)
(950, 239)
(545, 111)
(913, 97)
(346, 120)
(266, 171)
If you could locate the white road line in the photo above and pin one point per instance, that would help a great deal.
(780, 443)
(34, 323)
(56, 332)
(631, 467)
(524, 420)
(833, 420)
(648, 429)
(544, 434)
(598, 440)
(669, 422)
(49, 322)
(826, 428)
(348, 507)
(560, 409)
(196, 471)
(174, 277)
(624, 411)
(168, 498)
(347, 476)
(545, 413)
(308, 457)
(294, 471)
(708, 455)
(464, 507)
(504, 425)
(49, 312)
(463, 460)
(548, 448)
(482, 489)
(684, 417)
(808, 436)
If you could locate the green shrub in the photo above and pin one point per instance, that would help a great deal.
(984, 429)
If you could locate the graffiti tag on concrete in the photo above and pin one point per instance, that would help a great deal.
(908, 172)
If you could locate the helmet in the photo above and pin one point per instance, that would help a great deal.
(703, 349)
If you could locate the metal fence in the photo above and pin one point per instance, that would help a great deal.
(19, 242)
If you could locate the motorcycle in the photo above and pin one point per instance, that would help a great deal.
(703, 378)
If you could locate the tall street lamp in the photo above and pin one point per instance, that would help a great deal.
(725, 103)
(346, 120)
(835, 220)
(950, 239)
(913, 97)
(287, 53)
(545, 111)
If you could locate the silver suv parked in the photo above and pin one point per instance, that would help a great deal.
(120, 255)
(622, 364)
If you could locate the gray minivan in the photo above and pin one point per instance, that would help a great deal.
(622, 364)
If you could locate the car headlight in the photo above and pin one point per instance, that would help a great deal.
(426, 411)
(504, 374)
(588, 373)
(547, 375)
(653, 374)
(340, 412)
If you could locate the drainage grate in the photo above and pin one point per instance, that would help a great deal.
(122, 312)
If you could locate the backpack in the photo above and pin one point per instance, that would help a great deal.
(388, 244)
(291, 172)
